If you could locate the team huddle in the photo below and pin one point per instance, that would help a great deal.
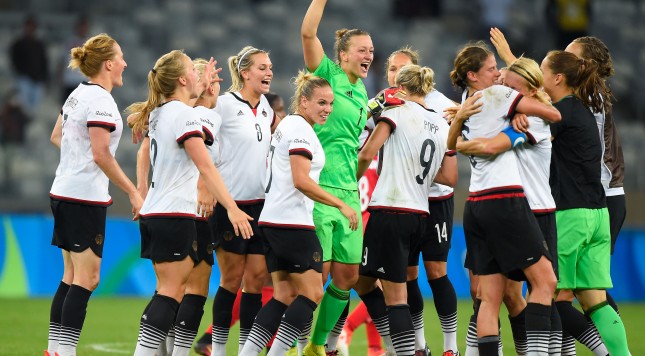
(275, 198)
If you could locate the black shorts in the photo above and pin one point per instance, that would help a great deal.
(435, 242)
(292, 250)
(224, 234)
(502, 236)
(617, 212)
(389, 238)
(547, 225)
(166, 239)
(78, 226)
(204, 242)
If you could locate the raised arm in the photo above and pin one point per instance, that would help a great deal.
(502, 47)
(312, 49)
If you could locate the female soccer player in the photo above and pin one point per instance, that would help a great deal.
(87, 132)
(413, 148)
(584, 237)
(244, 140)
(178, 157)
(294, 256)
(497, 208)
(339, 138)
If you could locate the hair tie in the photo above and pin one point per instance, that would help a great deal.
(154, 71)
(239, 61)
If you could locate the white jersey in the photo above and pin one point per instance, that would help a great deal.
(409, 159)
(499, 171)
(173, 190)
(78, 177)
(534, 163)
(438, 102)
(285, 206)
(211, 123)
(244, 141)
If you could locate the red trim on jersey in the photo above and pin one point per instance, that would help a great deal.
(511, 110)
(273, 119)
(170, 215)
(396, 210)
(509, 188)
(188, 135)
(201, 218)
(249, 202)
(287, 226)
(532, 140)
(497, 196)
(386, 120)
(543, 211)
(451, 153)
(81, 201)
(106, 125)
(209, 139)
(255, 111)
(301, 152)
(440, 198)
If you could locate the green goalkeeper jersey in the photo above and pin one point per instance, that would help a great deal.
(339, 135)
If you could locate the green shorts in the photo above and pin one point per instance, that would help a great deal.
(339, 242)
(584, 244)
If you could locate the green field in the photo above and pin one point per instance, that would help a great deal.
(112, 324)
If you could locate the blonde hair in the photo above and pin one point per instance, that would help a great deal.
(415, 79)
(200, 66)
(90, 56)
(305, 84)
(162, 83)
(530, 71)
(242, 61)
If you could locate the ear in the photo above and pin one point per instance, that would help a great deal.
(471, 76)
(182, 80)
(559, 79)
(533, 92)
(343, 56)
(109, 64)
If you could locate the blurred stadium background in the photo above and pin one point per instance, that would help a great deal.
(146, 29)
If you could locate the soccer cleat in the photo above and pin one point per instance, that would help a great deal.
(202, 348)
(50, 354)
(293, 351)
(451, 353)
(424, 352)
(314, 350)
(375, 351)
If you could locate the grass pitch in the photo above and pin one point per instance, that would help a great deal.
(112, 324)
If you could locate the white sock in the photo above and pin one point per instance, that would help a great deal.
(218, 349)
(450, 341)
(66, 350)
(419, 339)
(144, 351)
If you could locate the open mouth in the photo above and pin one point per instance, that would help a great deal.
(365, 66)
(266, 82)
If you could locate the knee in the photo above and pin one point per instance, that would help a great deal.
(285, 295)
(315, 295)
(89, 281)
(435, 270)
(231, 280)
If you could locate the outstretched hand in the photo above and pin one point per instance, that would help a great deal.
(501, 45)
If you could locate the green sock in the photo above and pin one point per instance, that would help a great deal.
(611, 329)
(331, 307)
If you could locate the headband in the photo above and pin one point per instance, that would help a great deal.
(242, 57)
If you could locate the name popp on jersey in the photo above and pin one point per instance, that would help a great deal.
(428, 126)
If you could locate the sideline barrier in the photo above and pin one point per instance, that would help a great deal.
(31, 267)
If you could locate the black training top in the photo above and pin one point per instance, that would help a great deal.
(575, 158)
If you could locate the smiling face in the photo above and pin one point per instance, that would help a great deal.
(485, 76)
(191, 78)
(117, 65)
(356, 61)
(395, 64)
(316, 109)
(259, 75)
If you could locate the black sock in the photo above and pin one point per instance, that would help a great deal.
(612, 302)
(538, 328)
(445, 302)
(415, 301)
(487, 345)
(188, 318)
(375, 304)
(518, 328)
(206, 338)
(250, 305)
(401, 329)
(295, 320)
(73, 314)
(56, 311)
(576, 324)
(266, 324)
(145, 310)
(222, 314)
(555, 339)
(157, 320)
